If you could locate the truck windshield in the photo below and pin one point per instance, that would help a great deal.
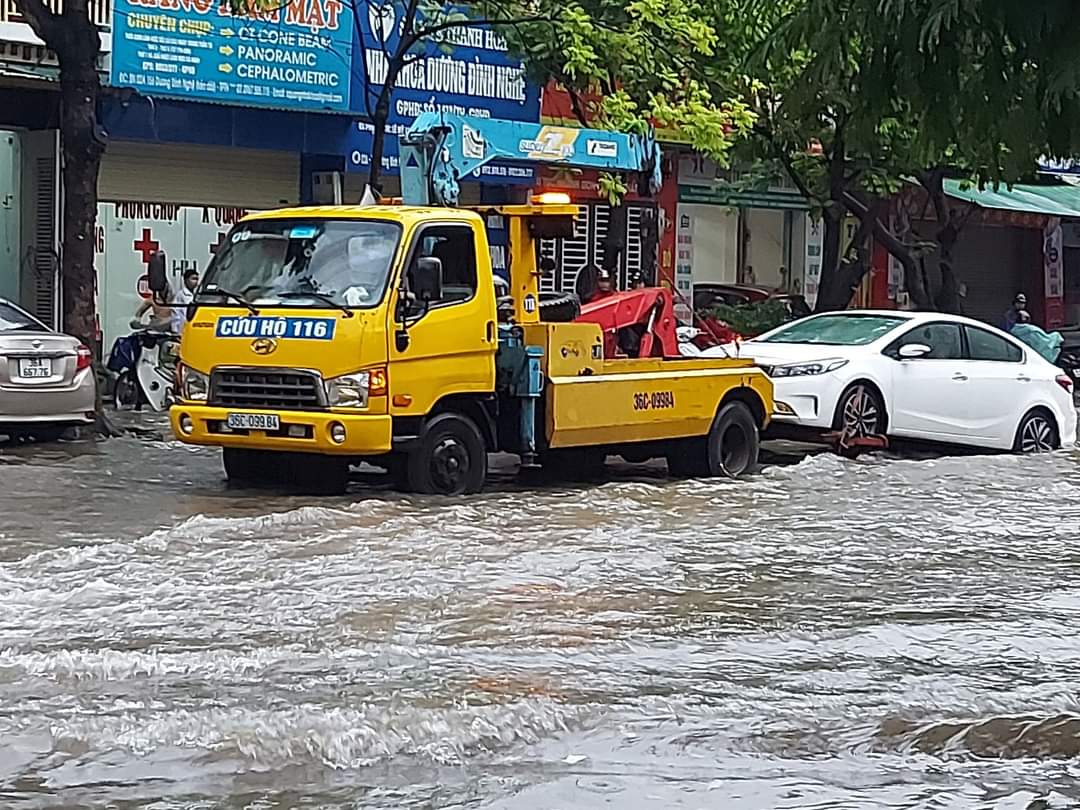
(270, 262)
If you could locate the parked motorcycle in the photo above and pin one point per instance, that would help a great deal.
(145, 365)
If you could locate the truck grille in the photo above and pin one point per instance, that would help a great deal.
(260, 388)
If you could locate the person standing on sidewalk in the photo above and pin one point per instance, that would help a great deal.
(1012, 314)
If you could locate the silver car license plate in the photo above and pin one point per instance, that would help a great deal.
(35, 368)
(253, 421)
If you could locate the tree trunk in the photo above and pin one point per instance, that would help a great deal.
(855, 265)
(378, 138)
(82, 147)
(913, 277)
(948, 296)
(830, 294)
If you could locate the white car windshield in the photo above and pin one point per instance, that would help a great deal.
(306, 263)
(836, 329)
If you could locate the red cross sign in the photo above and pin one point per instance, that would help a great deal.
(147, 246)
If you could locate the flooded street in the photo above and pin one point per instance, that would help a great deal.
(880, 633)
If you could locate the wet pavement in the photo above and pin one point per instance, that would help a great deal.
(879, 633)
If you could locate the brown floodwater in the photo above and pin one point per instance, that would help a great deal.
(880, 633)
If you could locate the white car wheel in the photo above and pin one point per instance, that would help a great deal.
(860, 412)
(1036, 434)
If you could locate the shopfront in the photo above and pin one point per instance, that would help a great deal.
(731, 235)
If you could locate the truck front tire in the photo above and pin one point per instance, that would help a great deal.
(449, 459)
(311, 473)
(243, 466)
(729, 450)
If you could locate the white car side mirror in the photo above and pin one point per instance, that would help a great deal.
(911, 351)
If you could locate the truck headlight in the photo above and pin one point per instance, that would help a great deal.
(194, 385)
(805, 369)
(349, 390)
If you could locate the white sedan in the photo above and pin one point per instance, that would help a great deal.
(927, 376)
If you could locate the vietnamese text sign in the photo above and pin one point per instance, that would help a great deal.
(297, 55)
(469, 73)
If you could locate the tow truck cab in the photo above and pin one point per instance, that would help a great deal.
(324, 336)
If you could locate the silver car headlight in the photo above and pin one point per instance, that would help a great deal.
(348, 390)
(806, 369)
(194, 385)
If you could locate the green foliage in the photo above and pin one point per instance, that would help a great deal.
(612, 187)
(648, 61)
(751, 319)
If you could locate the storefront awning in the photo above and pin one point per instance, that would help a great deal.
(1050, 200)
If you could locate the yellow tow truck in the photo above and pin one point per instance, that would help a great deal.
(326, 336)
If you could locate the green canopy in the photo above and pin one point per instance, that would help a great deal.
(1053, 201)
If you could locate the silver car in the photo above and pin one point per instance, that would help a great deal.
(47, 381)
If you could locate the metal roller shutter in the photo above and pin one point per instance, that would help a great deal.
(587, 246)
(199, 175)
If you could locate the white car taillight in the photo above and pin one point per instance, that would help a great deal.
(83, 357)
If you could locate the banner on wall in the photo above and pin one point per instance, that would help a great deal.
(815, 241)
(470, 73)
(1053, 273)
(684, 268)
(294, 56)
(129, 232)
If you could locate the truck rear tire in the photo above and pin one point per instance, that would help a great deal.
(729, 450)
(450, 458)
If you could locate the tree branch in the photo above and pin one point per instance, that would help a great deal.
(888, 239)
(42, 20)
(410, 18)
(785, 161)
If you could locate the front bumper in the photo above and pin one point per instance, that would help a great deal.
(301, 431)
(810, 401)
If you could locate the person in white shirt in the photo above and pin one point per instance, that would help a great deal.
(186, 293)
(184, 296)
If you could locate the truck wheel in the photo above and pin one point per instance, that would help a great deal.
(316, 474)
(730, 449)
(574, 463)
(450, 458)
(244, 466)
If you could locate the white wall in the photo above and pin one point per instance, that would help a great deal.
(765, 245)
(715, 240)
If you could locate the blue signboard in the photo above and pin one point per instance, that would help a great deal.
(297, 55)
(359, 158)
(469, 73)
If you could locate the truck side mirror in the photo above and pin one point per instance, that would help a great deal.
(155, 270)
(427, 279)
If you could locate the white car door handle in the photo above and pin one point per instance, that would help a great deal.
(959, 377)
(1023, 378)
